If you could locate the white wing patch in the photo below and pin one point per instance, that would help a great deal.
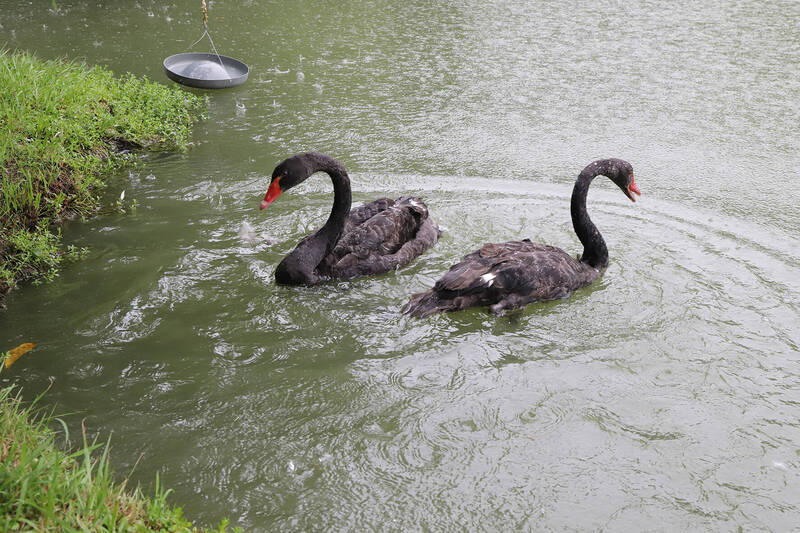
(488, 279)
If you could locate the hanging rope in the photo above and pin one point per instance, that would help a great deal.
(207, 34)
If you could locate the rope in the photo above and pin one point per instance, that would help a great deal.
(206, 34)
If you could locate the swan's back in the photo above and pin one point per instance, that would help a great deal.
(504, 276)
(359, 215)
(381, 236)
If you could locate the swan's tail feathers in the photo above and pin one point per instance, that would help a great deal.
(431, 302)
(424, 304)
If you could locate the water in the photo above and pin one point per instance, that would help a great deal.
(666, 393)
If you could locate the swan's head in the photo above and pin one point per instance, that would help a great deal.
(621, 173)
(286, 175)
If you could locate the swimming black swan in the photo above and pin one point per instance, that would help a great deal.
(513, 274)
(374, 238)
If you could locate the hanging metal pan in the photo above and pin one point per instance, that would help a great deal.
(204, 70)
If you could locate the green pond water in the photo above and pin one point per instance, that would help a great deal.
(663, 397)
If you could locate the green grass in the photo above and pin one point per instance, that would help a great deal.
(43, 488)
(63, 126)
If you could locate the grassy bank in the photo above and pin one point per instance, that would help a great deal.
(63, 126)
(45, 489)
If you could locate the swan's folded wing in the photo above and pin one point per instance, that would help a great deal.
(360, 214)
(389, 239)
(511, 267)
(543, 273)
(470, 273)
(477, 270)
(378, 233)
(385, 232)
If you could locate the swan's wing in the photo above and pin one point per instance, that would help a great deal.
(540, 271)
(389, 239)
(384, 232)
(465, 275)
(479, 269)
(425, 237)
(505, 276)
(360, 214)
(468, 283)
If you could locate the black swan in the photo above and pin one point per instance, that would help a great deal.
(376, 237)
(513, 274)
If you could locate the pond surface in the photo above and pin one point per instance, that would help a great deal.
(666, 393)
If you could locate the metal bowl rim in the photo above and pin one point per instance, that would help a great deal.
(240, 77)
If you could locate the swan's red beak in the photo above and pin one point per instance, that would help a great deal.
(273, 192)
(632, 189)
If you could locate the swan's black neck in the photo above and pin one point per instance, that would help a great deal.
(595, 252)
(299, 267)
(342, 198)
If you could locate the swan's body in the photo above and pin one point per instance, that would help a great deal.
(377, 237)
(511, 275)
